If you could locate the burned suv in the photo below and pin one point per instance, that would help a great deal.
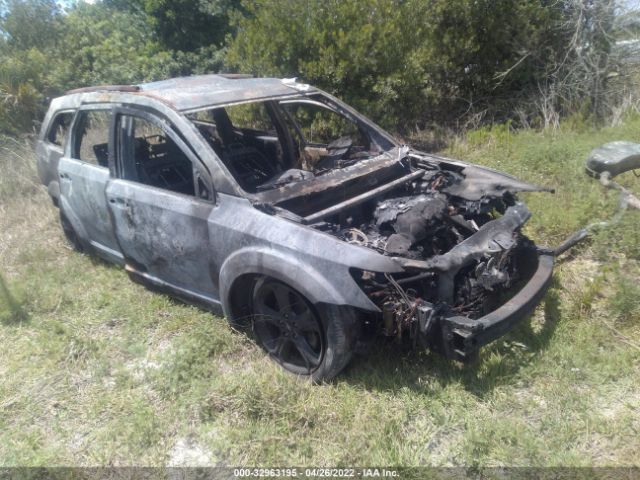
(277, 205)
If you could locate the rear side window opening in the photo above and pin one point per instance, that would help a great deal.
(59, 128)
(268, 144)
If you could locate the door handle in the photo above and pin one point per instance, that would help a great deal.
(115, 200)
(64, 176)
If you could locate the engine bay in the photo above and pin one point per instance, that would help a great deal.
(459, 254)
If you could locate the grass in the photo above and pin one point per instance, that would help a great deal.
(97, 370)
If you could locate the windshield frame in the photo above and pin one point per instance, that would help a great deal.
(379, 138)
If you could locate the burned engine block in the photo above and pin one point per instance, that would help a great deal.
(460, 255)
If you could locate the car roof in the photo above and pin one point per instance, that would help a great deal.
(201, 91)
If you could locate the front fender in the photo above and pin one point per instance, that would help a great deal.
(316, 287)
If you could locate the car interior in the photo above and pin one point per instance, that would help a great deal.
(161, 163)
(153, 158)
(253, 156)
(157, 160)
(266, 147)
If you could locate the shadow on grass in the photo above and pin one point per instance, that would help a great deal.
(16, 314)
(389, 367)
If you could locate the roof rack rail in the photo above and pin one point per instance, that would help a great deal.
(105, 88)
(234, 76)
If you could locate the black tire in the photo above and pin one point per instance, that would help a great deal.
(311, 342)
(70, 233)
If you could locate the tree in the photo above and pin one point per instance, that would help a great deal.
(584, 72)
(368, 52)
(404, 62)
(100, 44)
(30, 24)
(27, 29)
(184, 25)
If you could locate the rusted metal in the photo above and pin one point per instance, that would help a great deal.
(235, 76)
(105, 88)
(200, 91)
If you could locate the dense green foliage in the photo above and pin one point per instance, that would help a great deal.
(45, 51)
(184, 25)
(406, 63)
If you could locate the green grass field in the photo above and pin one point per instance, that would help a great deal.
(96, 370)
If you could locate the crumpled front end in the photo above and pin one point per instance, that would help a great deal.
(469, 273)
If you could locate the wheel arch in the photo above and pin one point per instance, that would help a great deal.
(246, 264)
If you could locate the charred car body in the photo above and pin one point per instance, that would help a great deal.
(281, 207)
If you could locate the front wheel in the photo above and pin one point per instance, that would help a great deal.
(293, 333)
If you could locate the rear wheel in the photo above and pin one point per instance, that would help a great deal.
(292, 332)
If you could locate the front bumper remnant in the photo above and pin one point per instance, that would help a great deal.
(461, 337)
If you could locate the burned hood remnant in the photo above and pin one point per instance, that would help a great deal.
(478, 182)
(281, 207)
